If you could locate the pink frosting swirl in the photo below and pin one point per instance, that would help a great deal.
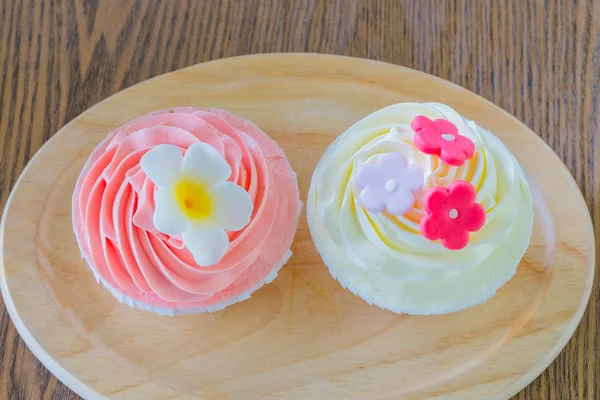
(113, 205)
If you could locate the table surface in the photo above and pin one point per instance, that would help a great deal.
(539, 60)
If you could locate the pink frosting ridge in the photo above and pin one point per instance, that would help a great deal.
(113, 206)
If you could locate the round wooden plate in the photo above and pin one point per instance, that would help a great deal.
(303, 336)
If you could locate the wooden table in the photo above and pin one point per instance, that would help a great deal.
(539, 60)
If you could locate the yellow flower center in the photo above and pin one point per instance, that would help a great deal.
(193, 199)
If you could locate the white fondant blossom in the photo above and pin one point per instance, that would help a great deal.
(195, 200)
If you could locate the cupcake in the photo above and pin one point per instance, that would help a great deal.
(186, 210)
(418, 210)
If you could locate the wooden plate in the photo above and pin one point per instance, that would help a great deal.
(303, 336)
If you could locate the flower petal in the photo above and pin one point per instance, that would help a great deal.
(168, 216)
(456, 241)
(421, 122)
(427, 142)
(400, 202)
(389, 162)
(367, 175)
(466, 144)
(458, 151)
(233, 206)
(204, 163)
(161, 164)
(476, 218)
(434, 201)
(445, 126)
(452, 156)
(207, 242)
(372, 199)
(432, 227)
(462, 194)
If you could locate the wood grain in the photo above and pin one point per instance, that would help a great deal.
(539, 60)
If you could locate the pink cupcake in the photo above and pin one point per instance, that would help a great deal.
(186, 211)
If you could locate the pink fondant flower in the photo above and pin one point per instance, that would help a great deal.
(451, 214)
(389, 184)
(441, 138)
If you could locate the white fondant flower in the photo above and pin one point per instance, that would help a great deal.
(195, 200)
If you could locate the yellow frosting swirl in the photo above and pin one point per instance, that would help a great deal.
(382, 257)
